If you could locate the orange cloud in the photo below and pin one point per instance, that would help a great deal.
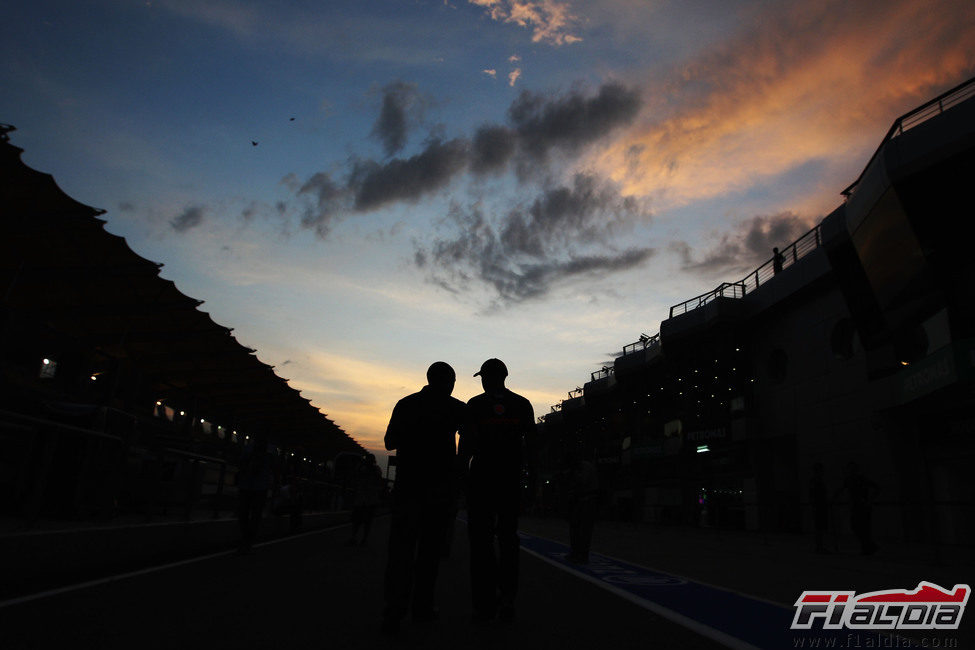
(549, 20)
(812, 83)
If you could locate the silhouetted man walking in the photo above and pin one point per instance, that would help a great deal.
(498, 440)
(421, 430)
(255, 477)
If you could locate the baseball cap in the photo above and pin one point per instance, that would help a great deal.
(493, 368)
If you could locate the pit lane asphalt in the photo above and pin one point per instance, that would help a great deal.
(313, 591)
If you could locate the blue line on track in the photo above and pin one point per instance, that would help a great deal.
(731, 618)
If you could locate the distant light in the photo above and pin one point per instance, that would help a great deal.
(94, 377)
(202, 421)
(182, 412)
(158, 403)
(905, 363)
(46, 362)
(702, 449)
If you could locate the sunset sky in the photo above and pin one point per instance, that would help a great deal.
(533, 180)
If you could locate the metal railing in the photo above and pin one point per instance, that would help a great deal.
(644, 343)
(603, 373)
(917, 116)
(789, 256)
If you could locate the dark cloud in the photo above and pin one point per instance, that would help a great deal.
(292, 182)
(189, 219)
(765, 232)
(492, 148)
(407, 179)
(741, 251)
(126, 206)
(249, 211)
(587, 210)
(535, 280)
(402, 105)
(329, 199)
(420, 258)
(537, 125)
(564, 233)
(572, 121)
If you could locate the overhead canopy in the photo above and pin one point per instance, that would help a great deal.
(60, 269)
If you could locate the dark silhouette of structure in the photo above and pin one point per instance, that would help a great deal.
(582, 484)
(862, 347)
(121, 395)
(819, 500)
(422, 431)
(367, 483)
(254, 478)
(495, 446)
(862, 491)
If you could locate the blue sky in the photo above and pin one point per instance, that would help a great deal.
(534, 180)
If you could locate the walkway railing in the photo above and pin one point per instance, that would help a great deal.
(919, 115)
(790, 255)
(602, 373)
(644, 343)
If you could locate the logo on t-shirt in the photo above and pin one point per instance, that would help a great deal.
(499, 409)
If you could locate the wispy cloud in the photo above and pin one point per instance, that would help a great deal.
(190, 218)
(740, 250)
(402, 108)
(571, 121)
(550, 20)
(537, 125)
(566, 233)
(811, 81)
(407, 179)
(513, 77)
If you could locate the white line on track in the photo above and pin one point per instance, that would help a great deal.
(680, 619)
(162, 567)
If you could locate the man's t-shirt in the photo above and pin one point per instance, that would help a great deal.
(421, 430)
(499, 436)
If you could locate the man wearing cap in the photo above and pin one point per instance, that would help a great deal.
(421, 430)
(495, 446)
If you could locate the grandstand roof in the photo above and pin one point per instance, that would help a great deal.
(58, 266)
